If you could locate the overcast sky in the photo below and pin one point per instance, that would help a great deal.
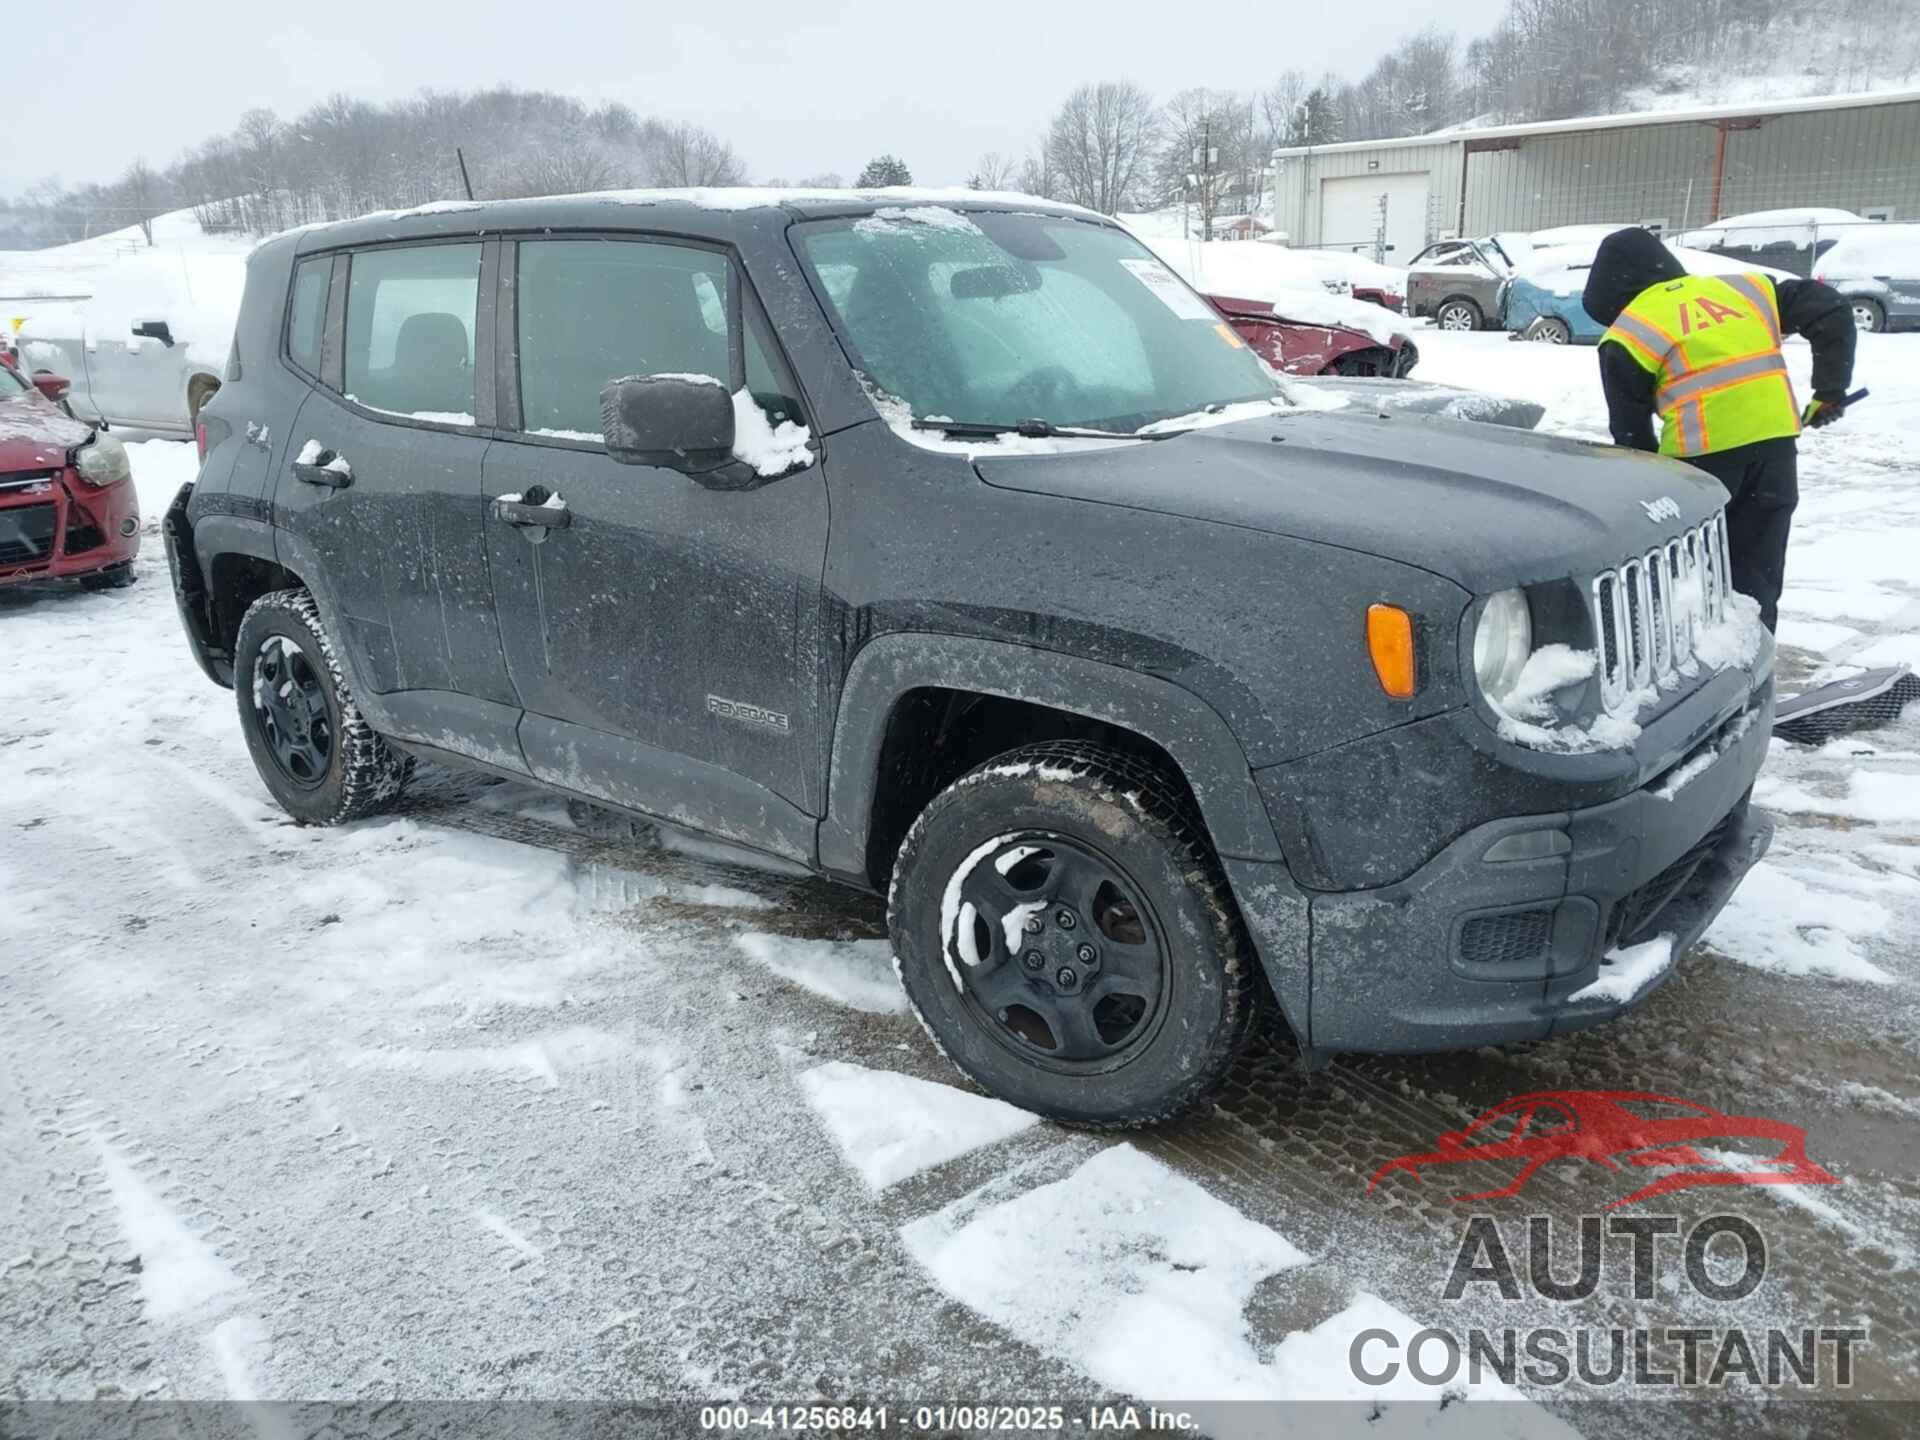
(798, 87)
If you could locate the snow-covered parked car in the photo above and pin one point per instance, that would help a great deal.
(67, 504)
(149, 347)
(1301, 332)
(1791, 240)
(1542, 302)
(1877, 267)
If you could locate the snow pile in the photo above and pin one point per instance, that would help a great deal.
(1787, 924)
(1141, 1279)
(855, 973)
(1625, 973)
(770, 449)
(889, 1127)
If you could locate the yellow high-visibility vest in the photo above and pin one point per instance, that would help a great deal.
(1713, 341)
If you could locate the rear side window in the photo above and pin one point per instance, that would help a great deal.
(308, 314)
(591, 311)
(410, 326)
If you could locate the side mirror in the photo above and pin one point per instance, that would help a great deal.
(53, 386)
(155, 330)
(682, 422)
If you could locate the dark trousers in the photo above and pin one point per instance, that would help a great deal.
(1763, 486)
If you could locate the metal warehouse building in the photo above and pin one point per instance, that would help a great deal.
(1671, 170)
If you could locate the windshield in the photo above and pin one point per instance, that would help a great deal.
(995, 319)
(11, 383)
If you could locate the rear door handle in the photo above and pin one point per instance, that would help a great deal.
(537, 507)
(317, 466)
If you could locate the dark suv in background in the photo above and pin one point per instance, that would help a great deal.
(959, 550)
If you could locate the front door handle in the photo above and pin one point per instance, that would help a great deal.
(316, 465)
(539, 507)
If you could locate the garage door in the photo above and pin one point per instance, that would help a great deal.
(1351, 209)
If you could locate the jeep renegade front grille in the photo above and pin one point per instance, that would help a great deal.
(1645, 612)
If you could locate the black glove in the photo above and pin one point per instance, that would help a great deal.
(1827, 407)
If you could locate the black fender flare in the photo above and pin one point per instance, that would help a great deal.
(1174, 718)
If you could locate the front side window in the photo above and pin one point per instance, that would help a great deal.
(410, 326)
(591, 311)
(994, 318)
(308, 314)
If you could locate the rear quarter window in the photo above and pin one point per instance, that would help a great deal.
(307, 313)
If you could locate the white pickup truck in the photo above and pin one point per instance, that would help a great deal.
(149, 347)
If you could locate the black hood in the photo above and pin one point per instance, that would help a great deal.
(1628, 262)
(1486, 506)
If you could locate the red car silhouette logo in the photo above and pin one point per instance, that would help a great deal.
(1620, 1129)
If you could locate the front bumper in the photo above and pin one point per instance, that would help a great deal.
(54, 526)
(1501, 936)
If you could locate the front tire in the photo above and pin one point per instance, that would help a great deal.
(1869, 316)
(1458, 314)
(313, 748)
(1067, 936)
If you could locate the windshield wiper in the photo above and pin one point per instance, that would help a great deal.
(1037, 430)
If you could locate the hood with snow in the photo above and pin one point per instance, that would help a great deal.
(1627, 262)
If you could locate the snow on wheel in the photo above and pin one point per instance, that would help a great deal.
(1459, 315)
(1065, 933)
(312, 746)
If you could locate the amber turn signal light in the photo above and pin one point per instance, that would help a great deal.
(1390, 642)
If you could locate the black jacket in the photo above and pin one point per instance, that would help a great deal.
(1630, 261)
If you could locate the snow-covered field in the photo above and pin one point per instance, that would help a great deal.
(472, 1102)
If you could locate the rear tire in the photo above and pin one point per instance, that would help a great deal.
(1459, 314)
(1549, 330)
(314, 750)
(1067, 937)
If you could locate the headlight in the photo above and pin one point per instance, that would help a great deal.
(102, 461)
(1501, 643)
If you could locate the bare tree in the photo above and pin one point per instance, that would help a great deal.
(1037, 176)
(1100, 144)
(141, 187)
(993, 172)
(685, 154)
(1207, 151)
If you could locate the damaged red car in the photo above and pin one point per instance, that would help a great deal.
(1299, 347)
(67, 503)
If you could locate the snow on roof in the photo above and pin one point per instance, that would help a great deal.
(741, 197)
(1871, 250)
(1748, 110)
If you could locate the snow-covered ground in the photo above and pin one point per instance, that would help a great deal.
(471, 1102)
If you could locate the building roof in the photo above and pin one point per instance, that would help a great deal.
(1749, 111)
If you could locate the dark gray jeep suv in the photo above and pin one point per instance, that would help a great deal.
(953, 547)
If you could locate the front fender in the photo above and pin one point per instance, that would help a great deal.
(1177, 720)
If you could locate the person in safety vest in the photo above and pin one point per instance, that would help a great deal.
(1703, 351)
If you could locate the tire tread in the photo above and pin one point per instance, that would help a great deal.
(1164, 805)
